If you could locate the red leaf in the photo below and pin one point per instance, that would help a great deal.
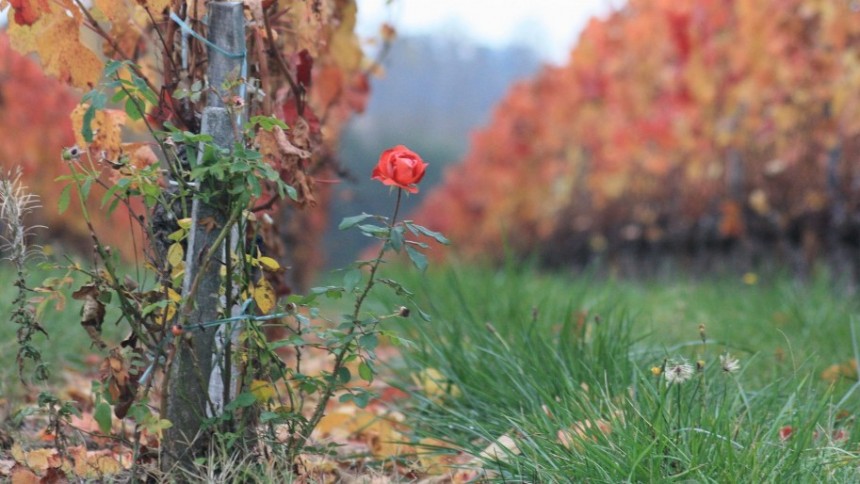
(304, 68)
(27, 12)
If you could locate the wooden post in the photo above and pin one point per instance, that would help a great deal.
(187, 401)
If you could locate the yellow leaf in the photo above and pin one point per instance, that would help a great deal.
(269, 264)
(55, 37)
(264, 295)
(167, 314)
(184, 223)
(344, 48)
(434, 384)
(38, 460)
(263, 390)
(93, 464)
(155, 6)
(177, 272)
(431, 457)
(114, 12)
(106, 126)
(173, 295)
(378, 433)
(175, 254)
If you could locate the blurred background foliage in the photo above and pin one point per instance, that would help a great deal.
(687, 132)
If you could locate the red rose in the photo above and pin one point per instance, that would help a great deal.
(400, 167)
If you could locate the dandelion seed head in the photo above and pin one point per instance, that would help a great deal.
(678, 372)
(729, 363)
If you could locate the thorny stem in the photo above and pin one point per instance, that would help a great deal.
(339, 360)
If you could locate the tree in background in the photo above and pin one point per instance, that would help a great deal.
(733, 125)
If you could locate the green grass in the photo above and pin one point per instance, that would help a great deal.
(67, 344)
(539, 367)
(534, 354)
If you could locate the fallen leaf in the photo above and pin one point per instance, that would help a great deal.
(6, 466)
(94, 464)
(38, 460)
(582, 430)
(500, 450)
(380, 434)
(22, 475)
(435, 385)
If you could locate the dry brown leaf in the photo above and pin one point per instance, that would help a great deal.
(6, 466)
(500, 450)
(317, 468)
(22, 475)
(208, 223)
(286, 148)
(93, 312)
(582, 430)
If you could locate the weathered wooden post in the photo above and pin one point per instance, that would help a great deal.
(187, 402)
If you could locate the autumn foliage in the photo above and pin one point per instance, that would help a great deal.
(675, 126)
(314, 81)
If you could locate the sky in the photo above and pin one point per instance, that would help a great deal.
(550, 26)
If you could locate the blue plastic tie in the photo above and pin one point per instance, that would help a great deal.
(242, 316)
(233, 55)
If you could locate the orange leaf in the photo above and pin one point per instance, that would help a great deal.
(55, 37)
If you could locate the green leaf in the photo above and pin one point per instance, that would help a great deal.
(102, 416)
(429, 233)
(65, 198)
(351, 279)
(85, 188)
(112, 67)
(361, 398)
(350, 222)
(368, 341)
(343, 375)
(396, 238)
(365, 372)
(398, 288)
(118, 96)
(417, 258)
(424, 316)
(87, 128)
(245, 399)
(132, 108)
(374, 231)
